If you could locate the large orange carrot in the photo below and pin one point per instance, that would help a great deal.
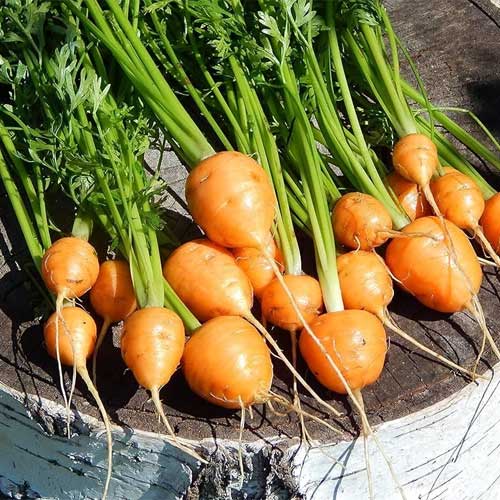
(231, 198)
(206, 278)
(441, 269)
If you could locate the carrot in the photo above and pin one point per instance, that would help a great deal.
(152, 344)
(461, 201)
(227, 363)
(72, 348)
(256, 265)
(360, 221)
(356, 342)
(112, 297)
(490, 221)
(425, 267)
(409, 195)
(346, 352)
(290, 315)
(231, 198)
(278, 309)
(367, 285)
(207, 279)
(69, 269)
(415, 158)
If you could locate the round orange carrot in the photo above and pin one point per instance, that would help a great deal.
(360, 221)
(356, 343)
(112, 297)
(206, 278)
(278, 309)
(228, 363)
(365, 282)
(415, 157)
(256, 265)
(152, 344)
(409, 195)
(459, 198)
(70, 336)
(231, 198)
(423, 265)
(70, 267)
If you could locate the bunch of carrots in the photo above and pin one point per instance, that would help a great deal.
(282, 111)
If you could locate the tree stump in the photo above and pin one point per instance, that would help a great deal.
(438, 431)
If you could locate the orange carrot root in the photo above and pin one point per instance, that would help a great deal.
(155, 396)
(486, 245)
(84, 374)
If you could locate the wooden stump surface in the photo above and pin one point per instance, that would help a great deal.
(456, 45)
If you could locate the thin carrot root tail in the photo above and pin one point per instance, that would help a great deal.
(296, 398)
(432, 201)
(411, 234)
(477, 311)
(240, 445)
(366, 431)
(84, 374)
(391, 324)
(104, 329)
(290, 407)
(255, 322)
(486, 245)
(155, 397)
(70, 399)
(486, 262)
(59, 317)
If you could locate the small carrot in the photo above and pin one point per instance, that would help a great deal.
(256, 265)
(360, 221)
(409, 195)
(208, 281)
(72, 347)
(112, 297)
(278, 309)
(461, 202)
(152, 345)
(415, 158)
(357, 344)
(70, 268)
(227, 363)
(490, 221)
